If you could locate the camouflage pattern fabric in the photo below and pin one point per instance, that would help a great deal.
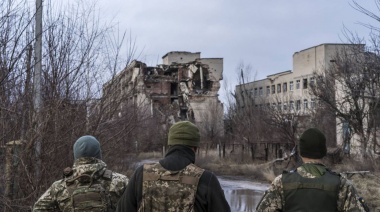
(165, 190)
(57, 197)
(273, 199)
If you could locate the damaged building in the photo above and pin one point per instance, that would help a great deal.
(184, 87)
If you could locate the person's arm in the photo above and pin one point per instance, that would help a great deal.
(131, 197)
(48, 201)
(216, 201)
(117, 187)
(348, 198)
(273, 197)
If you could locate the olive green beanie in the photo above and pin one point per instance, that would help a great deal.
(312, 144)
(87, 146)
(185, 133)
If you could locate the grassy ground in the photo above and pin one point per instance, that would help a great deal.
(367, 185)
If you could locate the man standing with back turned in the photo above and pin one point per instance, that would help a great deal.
(88, 186)
(312, 186)
(175, 183)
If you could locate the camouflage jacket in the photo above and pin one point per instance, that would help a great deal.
(273, 199)
(57, 197)
(165, 190)
(209, 195)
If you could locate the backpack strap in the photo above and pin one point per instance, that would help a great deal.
(105, 174)
(86, 178)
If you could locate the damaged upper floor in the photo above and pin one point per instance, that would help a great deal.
(184, 81)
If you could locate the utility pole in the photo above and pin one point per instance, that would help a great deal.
(37, 83)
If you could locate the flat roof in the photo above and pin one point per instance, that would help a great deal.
(329, 44)
(280, 73)
(184, 52)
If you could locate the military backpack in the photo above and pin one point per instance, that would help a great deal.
(165, 190)
(90, 192)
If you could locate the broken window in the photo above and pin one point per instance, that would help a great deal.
(268, 90)
(174, 89)
(208, 85)
(298, 104)
(285, 87)
(261, 91)
(278, 88)
(304, 83)
(273, 89)
(199, 79)
(298, 82)
(183, 114)
(305, 104)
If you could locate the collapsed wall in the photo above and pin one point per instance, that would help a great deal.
(184, 87)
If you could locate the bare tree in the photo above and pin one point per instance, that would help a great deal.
(15, 23)
(241, 111)
(79, 55)
(246, 115)
(212, 126)
(284, 116)
(350, 88)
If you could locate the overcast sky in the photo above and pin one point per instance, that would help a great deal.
(263, 34)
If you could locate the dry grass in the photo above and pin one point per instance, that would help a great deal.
(367, 185)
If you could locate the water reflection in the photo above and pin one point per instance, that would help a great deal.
(242, 194)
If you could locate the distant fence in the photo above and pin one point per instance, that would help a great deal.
(258, 150)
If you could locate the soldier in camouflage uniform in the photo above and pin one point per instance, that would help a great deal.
(94, 187)
(312, 186)
(175, 183)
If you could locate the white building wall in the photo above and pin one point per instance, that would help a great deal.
(209, 113)
(180, 57)
(215, 67)
(297, 82)
(305, 62)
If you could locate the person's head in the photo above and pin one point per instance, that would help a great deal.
(184, 133)
(312, 144)
(87, 146)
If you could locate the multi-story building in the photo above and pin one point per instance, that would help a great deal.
(184, 87)
(289, 92)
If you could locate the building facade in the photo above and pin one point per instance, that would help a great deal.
(184, 87)
(289, 91)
